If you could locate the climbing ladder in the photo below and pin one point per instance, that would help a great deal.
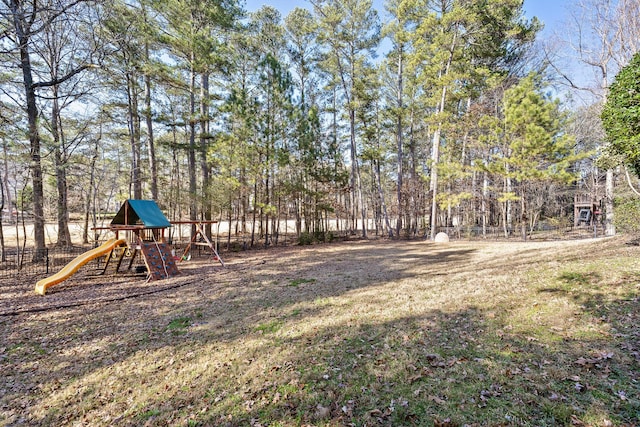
(159, 260)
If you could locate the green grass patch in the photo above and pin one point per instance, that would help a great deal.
(298, 282)
(148, 414)
(179, 325)
(579, 279)
(269, 327)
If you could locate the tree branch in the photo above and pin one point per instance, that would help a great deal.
(564, 77)
(626, 171)
(52, 15)
(63, 79)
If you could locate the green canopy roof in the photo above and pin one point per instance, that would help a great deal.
(141, 212)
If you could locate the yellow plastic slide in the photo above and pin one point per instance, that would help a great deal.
(69, 269)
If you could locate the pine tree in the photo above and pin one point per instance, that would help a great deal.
(194, 36)
(350, 32)
(538, 150)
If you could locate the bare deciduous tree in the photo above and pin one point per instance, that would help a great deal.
(22, 21)
(602, 36)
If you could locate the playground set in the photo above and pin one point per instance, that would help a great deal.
(144, 225)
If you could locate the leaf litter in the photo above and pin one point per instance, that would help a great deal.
(376, 333)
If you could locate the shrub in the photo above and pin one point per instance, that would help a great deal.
(627, 215)
(305, 238)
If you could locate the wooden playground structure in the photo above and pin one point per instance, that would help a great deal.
(143, 225)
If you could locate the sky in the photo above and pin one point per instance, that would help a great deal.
(551, 12)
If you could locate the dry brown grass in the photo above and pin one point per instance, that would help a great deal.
(356, 333)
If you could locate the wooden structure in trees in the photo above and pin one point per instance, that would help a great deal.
(586, 209)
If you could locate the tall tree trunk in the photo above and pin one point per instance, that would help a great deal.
(3, 255)
(153, 167)
(6, 198)
(193, 207)
(355, 168)
(334, 143)
(91, 192)
(414, 189)
(134, 136)
(151, 149)
(356, 183)
(5, 179)
(176, 178)
(269, 137)
(399, 134)
(436, 142)
(34, 136)
(204, 142)
(435, 156)
(610, 228)
(64, 236)
(523, 213)
(255, 211)
(229, 219)
(508, 220)
(244, 196)
(485, 193)
(382, 202)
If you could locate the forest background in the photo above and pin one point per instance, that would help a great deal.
(467, 120)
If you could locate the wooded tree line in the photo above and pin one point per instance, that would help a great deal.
(328, 117)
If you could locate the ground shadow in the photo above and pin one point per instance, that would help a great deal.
(435, 360)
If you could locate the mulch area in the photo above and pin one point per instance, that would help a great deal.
(87, 286)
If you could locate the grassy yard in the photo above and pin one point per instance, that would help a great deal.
(357, 333)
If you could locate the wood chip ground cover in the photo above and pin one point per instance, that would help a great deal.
(355, 333)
